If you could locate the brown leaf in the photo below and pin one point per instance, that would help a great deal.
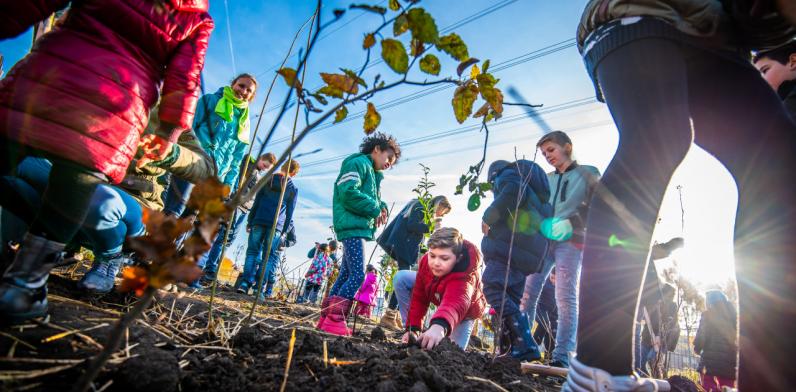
(486, 85)
(289, 74)
(372, 119)
(369, 41)
(401, 25)
(340, 82)
(482, 111)
(134, 279)
(464, 65)
(330, 91)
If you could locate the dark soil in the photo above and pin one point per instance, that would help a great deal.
(162, 359)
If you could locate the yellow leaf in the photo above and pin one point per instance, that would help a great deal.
(463, 100)
(340, 114)
(474, 71)
(394, 5)
(341, 82)
(372, 119)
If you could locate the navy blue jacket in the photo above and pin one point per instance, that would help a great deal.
(402, 237)
(530, 246)
(264, 208)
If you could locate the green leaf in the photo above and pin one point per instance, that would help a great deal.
(353, 75)
(463, 100)
(369, 41)
(394, 5)
(370, 8)
(372, 119)
(473, 202)
(340, 114)
(422, 25)
(401, 25)
(289, 74)
(394, 54)
(485, 66)
(453, 45)
(430, 64)
(330, 91)
(341, 82)
(486, 85)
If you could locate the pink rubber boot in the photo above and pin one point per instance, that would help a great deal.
(335, 322)
(324, 312)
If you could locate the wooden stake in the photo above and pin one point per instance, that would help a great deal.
(325, 355)
(543, 370)
(289, 359)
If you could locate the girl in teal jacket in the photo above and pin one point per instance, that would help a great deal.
(222, 126)
(357, 211)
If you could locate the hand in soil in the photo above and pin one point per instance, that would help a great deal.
(431, 337)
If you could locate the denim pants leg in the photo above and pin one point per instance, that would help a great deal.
(113, 215)
(493, 279)
(461, 334)
(212, 259)
(313, 294)
(402, 283)
(272, 263)
(534, 284)
(568, 265)
(253, 253)
(177, 195)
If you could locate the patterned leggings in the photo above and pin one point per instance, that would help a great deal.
(352, 269)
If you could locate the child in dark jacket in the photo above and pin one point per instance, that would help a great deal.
(716, 342)
(448, 277)
(261, 219)
(367, 293)
(521, 183)
(357, 211)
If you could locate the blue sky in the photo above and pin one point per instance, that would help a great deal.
(530, 45)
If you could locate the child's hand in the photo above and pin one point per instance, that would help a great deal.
(382, 219)
(431, 337)
(155, 149)
(405, 338)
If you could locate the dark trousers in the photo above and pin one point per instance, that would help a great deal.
(66, 197)
(654, 88)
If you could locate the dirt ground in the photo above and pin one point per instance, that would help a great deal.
(170, 349)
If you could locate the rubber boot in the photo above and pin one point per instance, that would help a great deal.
(335, 322)
(523, 347)
(23, 289)
(101, 277)
(324, 312)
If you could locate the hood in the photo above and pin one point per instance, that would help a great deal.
(191, 5)
(470, 263)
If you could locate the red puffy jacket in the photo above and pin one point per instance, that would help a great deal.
(84, 91)
(457, 295)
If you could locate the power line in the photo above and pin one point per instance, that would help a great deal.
(229, 38)
(512, 62)
(455, 25)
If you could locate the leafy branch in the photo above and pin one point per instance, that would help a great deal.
(424, 197)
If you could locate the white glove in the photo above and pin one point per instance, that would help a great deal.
(582, 378)
(557, 229)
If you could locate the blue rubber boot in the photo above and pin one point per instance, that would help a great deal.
(523, 347)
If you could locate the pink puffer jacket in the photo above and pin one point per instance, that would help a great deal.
(84, 91)
(367, 293)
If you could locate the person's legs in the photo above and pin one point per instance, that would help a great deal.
(352, 271)
(113, 216)
(273, 264)
(461, 334)
(177, 196)
(534, 284)
(20, 196)
(493, 281)
(741, 121)
(644, 83)
(402, 283)
(568, 265)
(254, 251)
(211, 261)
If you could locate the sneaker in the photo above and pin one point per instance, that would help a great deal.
(19, 303)
(101, 277)
(243, 288)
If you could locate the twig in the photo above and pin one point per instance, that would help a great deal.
(105, 386)
(490, 382)
(9, 375)
(291, 345)
(18, 340)
(172, 309)
(311, 372)
(43, 360)
(71, 332)
(54, 297)
(325, 355)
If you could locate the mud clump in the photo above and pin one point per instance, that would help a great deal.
(152, 370)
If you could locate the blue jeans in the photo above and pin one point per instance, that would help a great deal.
(493, 278)
(112, 215)
(403, 282)
(211, 259)
(255, 255)
(567, 262)
(176, 196)
(352, 269)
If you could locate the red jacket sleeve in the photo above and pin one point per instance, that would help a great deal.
(182, 83)
(419, 304)
(455, 301)
(17, 16)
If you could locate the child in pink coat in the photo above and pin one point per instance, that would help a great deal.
(367, 293)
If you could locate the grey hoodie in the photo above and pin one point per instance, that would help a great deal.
(570, 195)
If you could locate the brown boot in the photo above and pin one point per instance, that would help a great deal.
(391, 320)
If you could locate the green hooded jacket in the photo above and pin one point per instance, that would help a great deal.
(357, 202)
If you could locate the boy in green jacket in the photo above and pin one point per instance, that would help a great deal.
(357, 211)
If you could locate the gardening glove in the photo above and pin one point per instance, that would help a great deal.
(557, 229)
(582, 378)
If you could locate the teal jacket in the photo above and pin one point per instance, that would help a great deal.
(357, 202)
(220, 138)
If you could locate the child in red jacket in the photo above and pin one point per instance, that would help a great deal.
(449, 277)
